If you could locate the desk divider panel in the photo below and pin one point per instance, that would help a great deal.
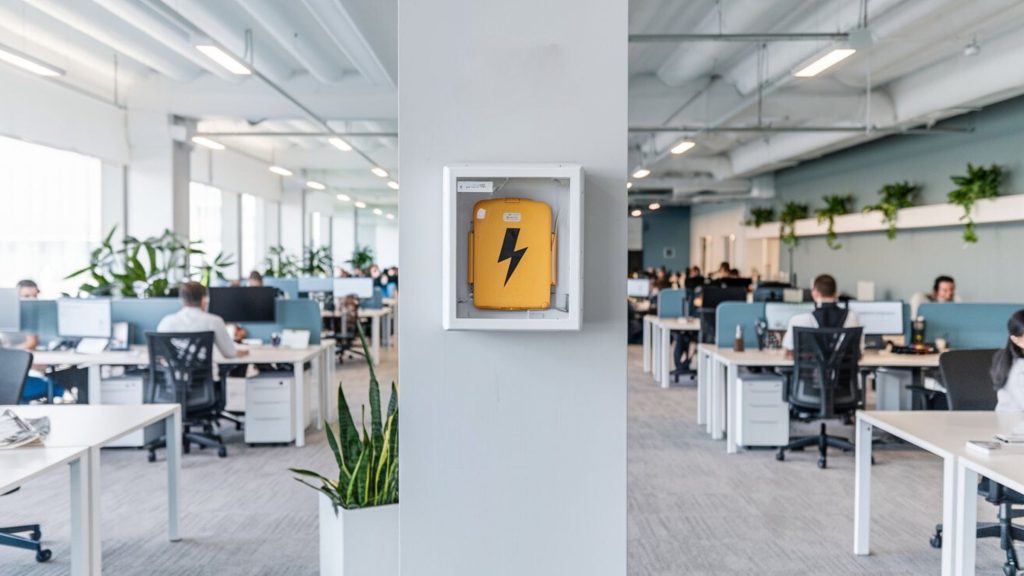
(670, 303)
(142, 314)
(293, 315)
(728, 315)
(967, 326)
(289, 286)
(39, 317)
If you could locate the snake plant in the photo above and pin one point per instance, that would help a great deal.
(895, 197)
(979, 183)
(791, 212)
(834, 206)
(367, 463)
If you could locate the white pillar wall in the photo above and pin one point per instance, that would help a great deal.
(513, 444)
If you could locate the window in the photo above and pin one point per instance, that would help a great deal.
(254, 237)
(204, 219)
(51, 216)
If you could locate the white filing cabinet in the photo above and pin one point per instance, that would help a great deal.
(763, 412)
(269, 412)
(128, 391)
(891, 391)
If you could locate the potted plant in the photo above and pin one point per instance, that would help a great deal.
(362, 258)
(979, 183)
(318, 262)
(760, 215)
(895, 197)
(834, 206)
(280, 264)
(359, 504)
(791, 212)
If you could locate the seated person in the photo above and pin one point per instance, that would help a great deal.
(193, 317)
(255, 279)
(37, 385)
(1008, 367)
(827, 313)
(943, 290)
(724, 269)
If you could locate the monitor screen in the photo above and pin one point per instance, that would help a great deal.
(10, 310)
(638, 287)
(256, 304)
(778, 314)
(83, 318)
(712, 296)
(314, 284)
(879, 318)
(360, 287)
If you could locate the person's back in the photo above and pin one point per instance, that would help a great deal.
(1008, 367)
(193, 317)
(827, 313)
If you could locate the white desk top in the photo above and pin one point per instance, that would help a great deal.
(945, 432)
(138, 355)
(82, 425)
(871, 359)
(20, 465)
(688, 324)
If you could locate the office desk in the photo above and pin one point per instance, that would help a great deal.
(92, 427)
(944, 434)
(20, 465)
(727, 362)
(376, 316)
(705, 361)
(658, 341)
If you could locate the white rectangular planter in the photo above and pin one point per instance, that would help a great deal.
(361, 542)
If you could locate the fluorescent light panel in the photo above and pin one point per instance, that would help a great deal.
(392, 184)
(641, 173)
(636, 212)
(360, 204)
(389, 216)
(378, 211)
(226, 60)
(343, 197)
(827, 61)
(379, 172)
(280, 171)
(211, 144)
(340, 144)
(683, 147)
(316, 185)
(26, 62)
(629, 185)
(654, 206)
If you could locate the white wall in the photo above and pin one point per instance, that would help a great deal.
(719, 221)
(386, 252)
(231, 231)
(513, 444)
(344, 235)
(150, 198)
(291, 221)
(229, 170)
(635, 233)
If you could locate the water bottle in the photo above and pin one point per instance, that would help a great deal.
(738, 343)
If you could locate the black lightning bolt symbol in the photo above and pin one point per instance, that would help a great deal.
(509, 252)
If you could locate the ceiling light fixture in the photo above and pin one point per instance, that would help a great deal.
(280, 171)
(211, 144)
(973, 48)
(392, 184)
(340, 144)
(26, 62)
(343, 197)
(629, 185)
(636, 213)
(641, 173)
(229, 62)
(389, 216)
(683, 147)
(360, 204)
(316, 185)
(822, 63)
(654, 206)
(378, 211)
(380, 172)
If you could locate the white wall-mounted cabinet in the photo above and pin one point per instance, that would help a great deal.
(559, 187)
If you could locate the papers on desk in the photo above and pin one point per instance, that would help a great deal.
(995, 446)
(16, 431)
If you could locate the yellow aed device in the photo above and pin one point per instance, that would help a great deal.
(512, 254)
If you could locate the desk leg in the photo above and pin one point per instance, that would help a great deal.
(319, 372)
(959, 518)
(647, 345)
(173, 434)
(717, 399)
(95, 393)
(80, 517)
(702, 392)
(666, 358)
(93, 525)
(862, 490)
(375, 340)
(300, 405)
(732, 416)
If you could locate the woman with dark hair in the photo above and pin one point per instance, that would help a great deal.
(1008, 367)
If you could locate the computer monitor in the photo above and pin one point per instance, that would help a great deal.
(256, 304)
(10, 310)
(733, 282)
(778, 314)
(638, 287)
(769, 293)
(83, 318)
(360, 287)
(314, 284)
(712, 296)
(878, 318)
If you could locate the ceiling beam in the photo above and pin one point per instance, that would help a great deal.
(749, 37)
(339, 24)
(266, 134)
(784, 129)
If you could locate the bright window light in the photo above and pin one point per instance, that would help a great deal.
(226, 60)
(824, 63)
(641, 173)
(637, 212)
(280, 171)
(211, 144)
(26, 62)
(360, 204)
(343, 197)
(378, 211)
(392, 184)
(315, 185)
(340, 144)
(654, 206)
(380, 172)
(683, 147)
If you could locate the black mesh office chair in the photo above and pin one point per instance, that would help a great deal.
(181, 371)
(14, 365)
(824, 384)
(707, 325)
(968, 387)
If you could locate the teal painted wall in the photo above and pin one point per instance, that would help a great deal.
(669, 228)
(990, 271)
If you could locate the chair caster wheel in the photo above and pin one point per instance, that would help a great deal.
(1009, 569)
(821, 463)
(151, 457)
(43, 556)
(222, 452)
(936, 541)
(781, 456)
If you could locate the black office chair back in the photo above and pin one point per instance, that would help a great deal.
(966, 376)
(181, 369)
(14, 365)
(825, 369)
(707, 325)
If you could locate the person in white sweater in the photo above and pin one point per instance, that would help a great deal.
(1008, 367)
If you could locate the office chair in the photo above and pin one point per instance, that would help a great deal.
(968, 387)
(707, 325)
(14, 365)
(824, 384)
(346, 337)
(181, 371)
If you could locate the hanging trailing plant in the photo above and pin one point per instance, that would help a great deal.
(979, 183)
(895, 197)
(791, 212)
(834, 206)
(760, 215)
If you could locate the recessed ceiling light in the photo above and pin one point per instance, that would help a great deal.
(654, 206)
(360, 204)
(226, 60)
(629, 185)
(683, 147)
(343, 197)
(380, 172)
(26, 62)
(389, 216)
(378, 211)
(392, 184)
(636, 212)
(280, 171)
(212, 144)
(316, 185)
(833, 57)
(340, 144)
(641, 173)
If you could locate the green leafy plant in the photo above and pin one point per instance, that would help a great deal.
(215, 269)
(760, 215)
(367, 464)
(791, 212)
(318, 262)
(280, 264)
(835, 205)
(362, 258)
(979, 183)
(895, 197)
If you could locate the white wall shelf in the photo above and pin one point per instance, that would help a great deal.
(1002, 209)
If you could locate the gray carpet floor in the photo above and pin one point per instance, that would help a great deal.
(692, 508)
